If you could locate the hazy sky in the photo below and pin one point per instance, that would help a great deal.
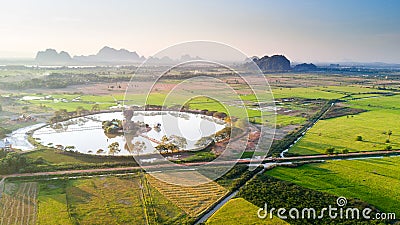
(305, 31)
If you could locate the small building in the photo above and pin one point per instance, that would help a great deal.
(7, 145)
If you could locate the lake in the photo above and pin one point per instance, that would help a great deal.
(86, 135)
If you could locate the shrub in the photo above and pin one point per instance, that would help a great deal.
(388, 147)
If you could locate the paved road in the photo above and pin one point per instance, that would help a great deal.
(240, 161)
(282, 155)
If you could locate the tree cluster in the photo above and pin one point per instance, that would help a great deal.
(281, 194)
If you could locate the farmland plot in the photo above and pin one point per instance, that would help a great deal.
(106, 200)
(191, 199)
(18, 203)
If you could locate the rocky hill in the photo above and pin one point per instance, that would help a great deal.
(305, 67)
(273, 63)
(111, 55)
(106, 55)
(52, 57)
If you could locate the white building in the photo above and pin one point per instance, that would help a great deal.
(5, 145)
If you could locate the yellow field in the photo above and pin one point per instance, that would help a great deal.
(240, 211)
(191, 199)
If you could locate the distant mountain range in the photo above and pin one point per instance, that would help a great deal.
(111, 56)
(106, 55)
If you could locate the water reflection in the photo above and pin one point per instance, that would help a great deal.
(143, 130)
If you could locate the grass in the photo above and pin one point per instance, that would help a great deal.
(326, 92)
(71, 106)
(107, 200)
(165, 210)
(240, 211)
(85, 101)
(350, 89)
(308, 93)
(375, 181)
(377, 103)
(341, 132)
(52, 202)
(58, 157)
(212, 105)
(107, 101)
(285, 120)
(98, 200)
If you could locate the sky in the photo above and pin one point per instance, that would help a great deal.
(304, 31)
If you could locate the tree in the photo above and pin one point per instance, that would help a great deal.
(13, 163)
(69, 148)
(220, 115)
(4, 132)
(389, 133)
(139, 146)
(164, 139)
(25, 108)
(40, 160)
(223, 134)
(345, 151)
(241, 124)
(166, 147)
(113, 148)
(359, 138)
(79, 110)
(95, 108)
(330, 151)
(179, 141)
(388, 147)
(59, 116)
(186, 106)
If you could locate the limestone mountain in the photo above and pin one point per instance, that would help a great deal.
(106, 55)
(305, 67)
(52, 57)
(111, 55)
(273, 63)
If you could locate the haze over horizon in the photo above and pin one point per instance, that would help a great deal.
(312, 31)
